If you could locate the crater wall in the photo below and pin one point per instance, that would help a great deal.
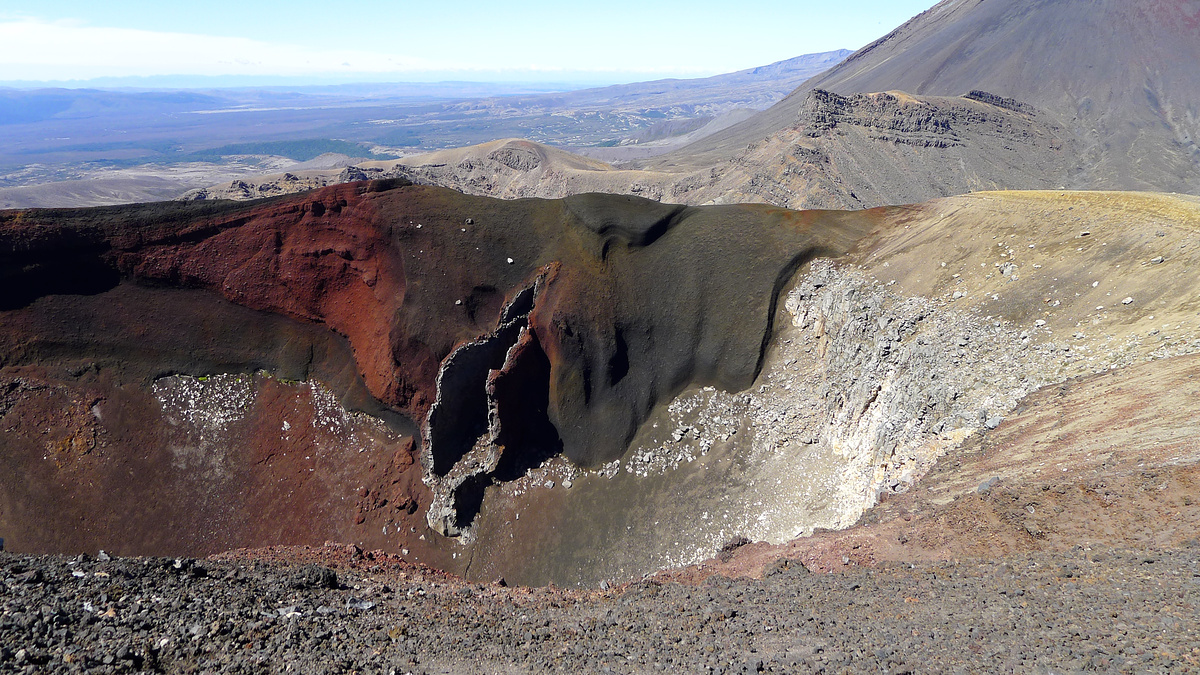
(517, 328)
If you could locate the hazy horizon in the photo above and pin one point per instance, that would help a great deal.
(70, 43)
(489, 83)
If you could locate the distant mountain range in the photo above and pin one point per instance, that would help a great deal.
(751, 88)
(121, 145)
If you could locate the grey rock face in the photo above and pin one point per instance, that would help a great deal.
(904, 378)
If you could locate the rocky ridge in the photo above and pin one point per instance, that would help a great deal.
(1114, 74)
(839, 152)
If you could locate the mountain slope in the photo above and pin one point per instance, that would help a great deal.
(753, 87)
(856, 151)
(1119, 74)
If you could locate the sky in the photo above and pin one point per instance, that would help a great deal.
(516, 41)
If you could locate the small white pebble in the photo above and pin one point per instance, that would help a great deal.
(510, 261)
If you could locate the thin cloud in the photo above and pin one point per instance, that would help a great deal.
(36, 50)
(31, 49)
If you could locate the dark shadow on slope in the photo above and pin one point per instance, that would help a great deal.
(67, 273)
(460, 416)
(522, 398)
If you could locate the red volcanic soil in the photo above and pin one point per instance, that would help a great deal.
(96, 466)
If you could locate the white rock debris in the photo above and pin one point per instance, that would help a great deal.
(859, 396)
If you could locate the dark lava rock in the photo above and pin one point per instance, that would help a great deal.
(1117, 614)
(314, 576)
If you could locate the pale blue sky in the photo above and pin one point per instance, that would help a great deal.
(463, 39)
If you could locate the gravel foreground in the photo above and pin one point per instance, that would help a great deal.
(1089, 610)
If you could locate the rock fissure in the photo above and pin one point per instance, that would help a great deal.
(489, 421)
